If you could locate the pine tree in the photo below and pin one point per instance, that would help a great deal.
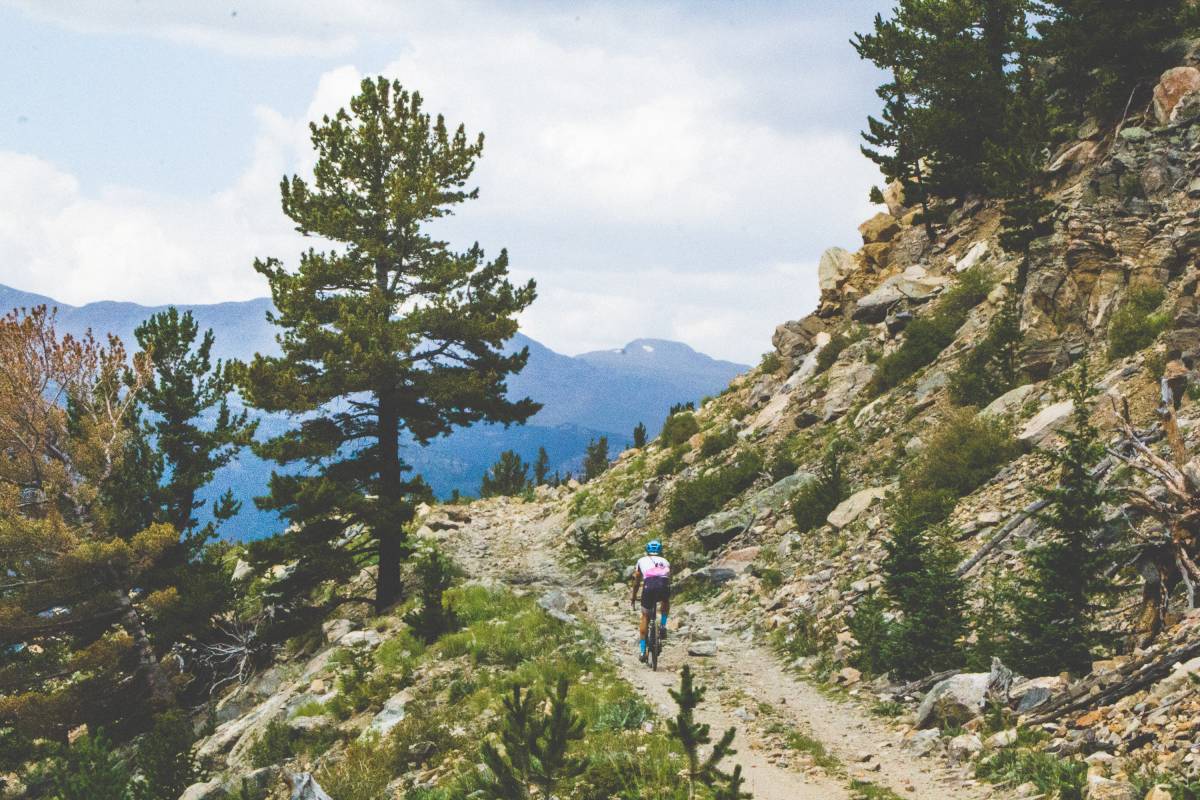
(595, 462)
(639, 436)
(389, 334)
(89, 769)
(534, 746)
(1106, 56)
(949, 66)
(166, 758)
(185, 391)
(508, 477)
(1056, 627)
(990, 369)
(541, 467)
(551, 763)
(75, 625)
(435, 574)
(731, 789)
(815, 499)
(694, 736)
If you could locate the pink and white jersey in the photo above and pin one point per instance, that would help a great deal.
(654, 567)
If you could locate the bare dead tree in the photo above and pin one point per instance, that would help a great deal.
(1167, 551)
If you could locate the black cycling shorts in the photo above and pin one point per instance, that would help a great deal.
(655, 591)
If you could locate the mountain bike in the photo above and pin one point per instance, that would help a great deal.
(653, 640)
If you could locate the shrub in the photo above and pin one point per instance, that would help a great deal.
(639, 435)
(837, 343)
(771, 362)
(363, 773)
(165, 758)
(718, 442)
(273, 747)
(989, 369)
(508, 477)
(1136, 323)
(873, 632)
(1053, 775)
(88, 769)
(927, 336)
(595, 462)
(435, 573)
(357, 687)
(815, 499)
(694, 500)
(962, 454)
(678, 428)
(672, 463)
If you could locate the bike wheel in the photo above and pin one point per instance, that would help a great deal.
(652, 638)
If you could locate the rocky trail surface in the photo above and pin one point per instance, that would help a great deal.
(519, 544)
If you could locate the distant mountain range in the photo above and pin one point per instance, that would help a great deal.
(603, 393)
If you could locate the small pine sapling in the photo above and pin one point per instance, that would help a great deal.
(639, 435)
(693, 736)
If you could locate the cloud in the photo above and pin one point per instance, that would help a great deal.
(650, 181)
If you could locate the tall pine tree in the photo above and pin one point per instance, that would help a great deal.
(388, 336)
(1059, 598)
(509, 476)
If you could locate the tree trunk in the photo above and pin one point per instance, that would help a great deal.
(387, 524)
(162, 694)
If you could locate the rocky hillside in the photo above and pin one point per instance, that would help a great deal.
(778, 502)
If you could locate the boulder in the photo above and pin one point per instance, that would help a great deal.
(208, 790)
(879, 228)
(335, 629)
(848, 676)
(1101, 788)
(921, 743)
(929, 383)
(717, 529)
(305, 787)
(1029, 694)
(242, 571)
(704, 649)
(369, 639)
(972, 257)
(1010, 402)
(1173, 87)
(846, 382)
(589, 526)
(893, 198)
(391, 715)
(311, 724)
(954, 701)
(964, 747)
(835, 266)
(1134, 134)
(1046, 422)
(913, 285)
(855, 505)
(715, 575)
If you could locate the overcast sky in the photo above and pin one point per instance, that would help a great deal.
(662, 169)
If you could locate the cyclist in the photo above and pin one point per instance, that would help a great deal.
(652, 574)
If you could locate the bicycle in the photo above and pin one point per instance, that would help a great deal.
(653, 641)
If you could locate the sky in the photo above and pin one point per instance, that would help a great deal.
(662, 169)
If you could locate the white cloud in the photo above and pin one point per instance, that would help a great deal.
(630, 168)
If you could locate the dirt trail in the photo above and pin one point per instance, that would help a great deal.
(748, 688)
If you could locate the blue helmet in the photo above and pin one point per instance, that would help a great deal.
(654, 547)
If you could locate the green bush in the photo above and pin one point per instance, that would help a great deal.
(839, 342)
(672, 463)
(815, 499)
(963, 453)
(989, 369)
(165, 758)
(678, 428)
(718, 442)
(435, 574)
(873, 632)
(1136, 324)
(273, 747)
(770, 363)
(1053, 775)
(694, 500)
(88, 769)
(927, 336)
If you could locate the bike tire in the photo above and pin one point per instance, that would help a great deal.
(652, 638)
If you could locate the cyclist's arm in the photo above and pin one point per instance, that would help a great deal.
(637, 583)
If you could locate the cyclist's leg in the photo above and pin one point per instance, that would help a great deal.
(664, 610)
(643, 627)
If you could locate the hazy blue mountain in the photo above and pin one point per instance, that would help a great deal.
(604, 393)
